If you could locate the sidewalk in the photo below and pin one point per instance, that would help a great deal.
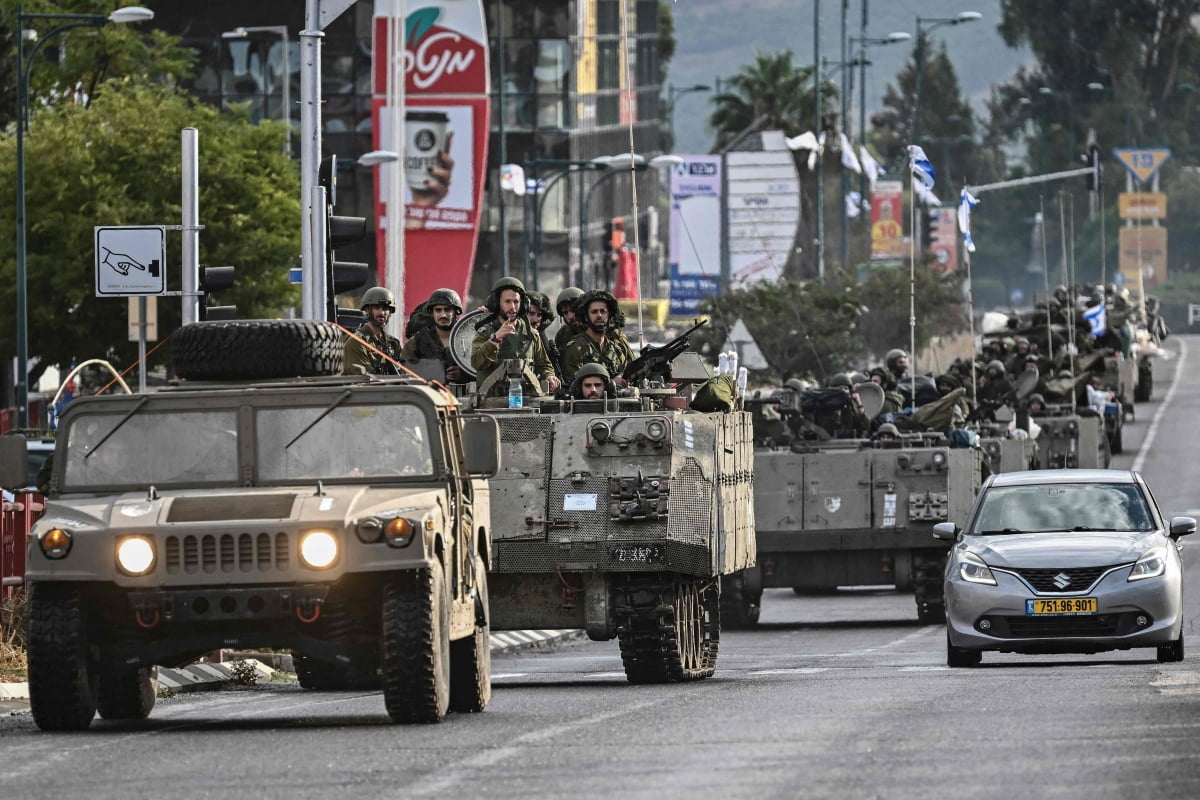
(248, 668)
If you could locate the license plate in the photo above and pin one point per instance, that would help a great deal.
(1066, 605)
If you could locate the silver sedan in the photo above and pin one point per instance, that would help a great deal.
(1064, 561)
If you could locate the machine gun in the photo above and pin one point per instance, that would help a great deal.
(657, 360)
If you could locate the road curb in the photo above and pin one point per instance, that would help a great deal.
(250, 670)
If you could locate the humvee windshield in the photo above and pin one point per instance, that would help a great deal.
(115, 449)
(342, 441)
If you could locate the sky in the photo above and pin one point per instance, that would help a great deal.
(715, 38)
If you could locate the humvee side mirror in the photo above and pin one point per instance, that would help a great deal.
(481, 446)
(12, 461)
(946, 531)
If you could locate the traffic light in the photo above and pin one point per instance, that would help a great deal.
(929, 224)
(215, 279)
(1093, 161)
(340, 276)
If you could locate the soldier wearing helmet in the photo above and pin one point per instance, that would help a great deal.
(371, 350)
(505, 336)
(601, 340)
(592, 382)
(540, 317)
(565, 305)
(432, 340)
(887, 433)
(896, 361)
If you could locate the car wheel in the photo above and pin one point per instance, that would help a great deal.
(961, 656)
(1171, 651)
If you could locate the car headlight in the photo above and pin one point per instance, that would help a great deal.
(318, 549)
(972, 569)
(1152, 564)
(135, 555)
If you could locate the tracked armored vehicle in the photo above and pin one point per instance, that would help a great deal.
(619, 516)
(345, 518)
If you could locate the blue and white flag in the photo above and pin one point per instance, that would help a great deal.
(922, 170)
(854, 204)
(926, 195)
(966, 201)
(849, 160)
(870, 166)
(1097, 319)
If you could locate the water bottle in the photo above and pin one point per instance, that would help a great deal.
(723, 363)
(516, 395)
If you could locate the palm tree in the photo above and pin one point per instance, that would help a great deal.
(772, 86)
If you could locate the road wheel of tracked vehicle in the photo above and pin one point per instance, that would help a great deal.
(416, 646)
(1171, 651)
(471, 657)
(1145, 383)
(127, 695)
(669, 628)
(740, 606)
(62, 687)
(961, 656)
(241, 349)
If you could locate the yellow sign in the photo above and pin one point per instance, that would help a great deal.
(1142, 164)
(1143, 205)
(1143, 256)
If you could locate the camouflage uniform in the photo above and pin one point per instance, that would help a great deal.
(524, 344)
(357, 359)
(615, 354)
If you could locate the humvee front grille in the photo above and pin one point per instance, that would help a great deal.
(227, 552)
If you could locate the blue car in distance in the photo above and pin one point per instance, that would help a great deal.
(1064, 561)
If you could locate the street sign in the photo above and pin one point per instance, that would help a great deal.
(1142, 205)
(1142, 164)
(135, 319)
(130, 260)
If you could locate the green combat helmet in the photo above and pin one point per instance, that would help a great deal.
(379, 296)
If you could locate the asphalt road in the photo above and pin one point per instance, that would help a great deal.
(839, 696)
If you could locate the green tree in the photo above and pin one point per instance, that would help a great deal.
(119, 163)
(773, 88)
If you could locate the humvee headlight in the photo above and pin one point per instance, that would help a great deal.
(55, 543)
(399, 532)
(600, 431)
(369, 530)
(318, 549)
(135, 555)
(656, 430)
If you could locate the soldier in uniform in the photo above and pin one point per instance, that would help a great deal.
(540, 317)
(847, 420)
(358, 358)
(433, 340)
(601, 340)
(896, 362)
(505, 335)
(592, 382)
(565, 305)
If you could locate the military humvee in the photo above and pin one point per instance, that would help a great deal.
(619, 517)
(346, 518)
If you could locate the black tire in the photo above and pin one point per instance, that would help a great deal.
(471, 657)
(312, 673)
(740, 607)
(416, 646)
(127, 695)
(961, 656)
(62, 686)
(243, 349)
(1171, 651)
(1145, 383)
(675, 638)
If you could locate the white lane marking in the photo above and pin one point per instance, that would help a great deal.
(902, 640)
(793, 671)
(1152, 431)
(499, 676)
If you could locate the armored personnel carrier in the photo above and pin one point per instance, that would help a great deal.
(346, 518)
(620, 515)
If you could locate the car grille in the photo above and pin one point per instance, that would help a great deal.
(1049, 580)
(226, 553)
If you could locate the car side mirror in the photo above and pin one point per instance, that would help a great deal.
(481, 446)
(12, 461)
(946, 531)
(1182, 526)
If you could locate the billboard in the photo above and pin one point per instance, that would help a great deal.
(887, 221)
(446, 117)
(764, 210)
(695, 236)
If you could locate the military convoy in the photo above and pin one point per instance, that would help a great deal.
(346, 518)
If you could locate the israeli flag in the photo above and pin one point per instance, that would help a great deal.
(1097, 319)
(853, 204)
(966, 201)
(922, 170)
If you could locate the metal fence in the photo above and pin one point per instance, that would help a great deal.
(16, 518)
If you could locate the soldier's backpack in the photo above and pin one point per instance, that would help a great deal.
(718, 393)
(421, 317)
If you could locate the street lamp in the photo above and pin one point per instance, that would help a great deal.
(282, 32)
(624, 168)
(533, 222)
(933, 23)
(24, 65)
(673, 96)
(864, 42)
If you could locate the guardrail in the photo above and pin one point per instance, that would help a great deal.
(16, 518)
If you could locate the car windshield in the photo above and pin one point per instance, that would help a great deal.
(342, 442)
(179, 447)
(1063, 507)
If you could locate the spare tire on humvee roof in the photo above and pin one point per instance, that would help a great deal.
(239, 349)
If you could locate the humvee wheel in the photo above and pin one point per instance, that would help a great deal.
(127, 695)
(416, 646)
(740, 608)
(471, 657)
(62, 689)
(669, 631)
(256, 348)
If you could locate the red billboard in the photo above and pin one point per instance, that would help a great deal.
(445, 137)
